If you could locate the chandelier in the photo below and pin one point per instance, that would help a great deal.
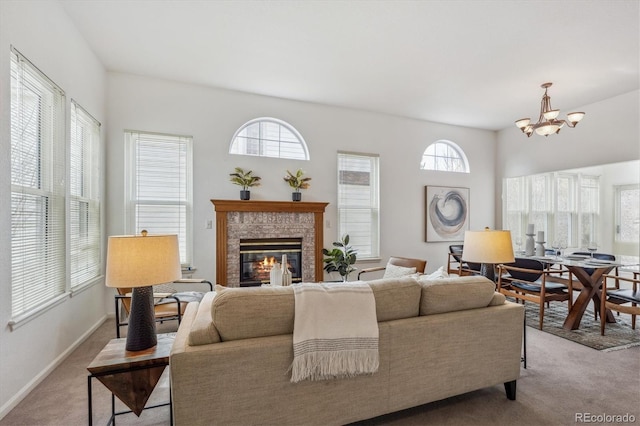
(548, 122)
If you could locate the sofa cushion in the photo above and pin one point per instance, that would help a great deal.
(246, 312)
(396, 298)
(457, 294)
(202, 331)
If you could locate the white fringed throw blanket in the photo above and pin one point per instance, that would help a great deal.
(335, 333)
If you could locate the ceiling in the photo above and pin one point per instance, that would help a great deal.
(465, 62)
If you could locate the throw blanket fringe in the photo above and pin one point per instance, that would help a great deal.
(335, 331)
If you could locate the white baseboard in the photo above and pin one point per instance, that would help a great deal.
(15, 400)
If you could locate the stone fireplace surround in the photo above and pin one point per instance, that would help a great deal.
(236, 219)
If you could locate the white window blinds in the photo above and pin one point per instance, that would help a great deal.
(84, 196)
(159, 196)
(358, 202)
(37, 188)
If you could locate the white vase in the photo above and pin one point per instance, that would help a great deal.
(275, 276)
(286, 274)
(529, 247)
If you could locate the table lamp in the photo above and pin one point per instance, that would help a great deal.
(139, 262)
(487, 248)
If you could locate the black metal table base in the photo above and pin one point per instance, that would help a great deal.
(112, 419)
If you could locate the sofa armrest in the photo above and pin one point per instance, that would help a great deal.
(182, 335)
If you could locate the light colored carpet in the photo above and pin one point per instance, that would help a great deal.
(562, 379)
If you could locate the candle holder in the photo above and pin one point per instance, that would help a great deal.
(529, 246)
(540, 251)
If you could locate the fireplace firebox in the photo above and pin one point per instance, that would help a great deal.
(257, 257)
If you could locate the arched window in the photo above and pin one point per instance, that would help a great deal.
(269, 137)
(444, 156)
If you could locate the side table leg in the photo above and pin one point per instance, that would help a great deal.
(89, 396)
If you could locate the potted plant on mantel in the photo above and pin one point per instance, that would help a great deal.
(246, 180)
(297, 182)
(340, 258)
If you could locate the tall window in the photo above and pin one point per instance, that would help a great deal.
(589, 209)
(37, 188)
(628, 214)
(269, 137)
(84, 196)
(444, 156)
(158, 186)
(358, 202)
(563, 205)
(540, 207)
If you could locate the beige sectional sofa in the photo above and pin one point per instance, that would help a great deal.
(231, 357)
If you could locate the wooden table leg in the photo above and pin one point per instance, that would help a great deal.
(591, 285)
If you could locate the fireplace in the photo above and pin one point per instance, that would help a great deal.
(256, 219)
(257, 257)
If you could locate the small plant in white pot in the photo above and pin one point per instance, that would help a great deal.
(246, 180)
(297, 181)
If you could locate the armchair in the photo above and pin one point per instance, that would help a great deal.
(169, 305)
(398, 266)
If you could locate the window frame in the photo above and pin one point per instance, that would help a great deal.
(85, 245)
(41, 281)
(261, 141)
(446, 161)
(548, 215)
(185, 198)
(372, 206)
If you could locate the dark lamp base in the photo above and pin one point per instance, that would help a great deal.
(141, 333)
(488, 270)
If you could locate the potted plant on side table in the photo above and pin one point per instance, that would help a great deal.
(297, 181)
(246, 180)
(340, 258)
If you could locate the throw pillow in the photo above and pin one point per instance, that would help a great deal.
(439, 273)
(394, 271)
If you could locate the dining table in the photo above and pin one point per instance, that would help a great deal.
(589, 272)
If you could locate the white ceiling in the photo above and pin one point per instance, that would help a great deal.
(466, 62)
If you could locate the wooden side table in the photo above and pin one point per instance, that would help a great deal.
(131, 376)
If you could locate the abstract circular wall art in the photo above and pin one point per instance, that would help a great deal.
(447, 213)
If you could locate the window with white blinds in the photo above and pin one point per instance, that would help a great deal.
(358, 202)
(565, 206)
(84, 197)
(158, 186)
(269, 137)
(37, 188)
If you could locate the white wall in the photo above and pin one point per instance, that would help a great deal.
(43, 33)
(212, 116)
(609, 133)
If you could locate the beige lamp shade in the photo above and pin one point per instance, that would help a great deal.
(142, 260)
(488, 246)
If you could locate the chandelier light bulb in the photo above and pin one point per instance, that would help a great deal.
(523, 122)
(550, 115)
(548, 122)
(575, 117)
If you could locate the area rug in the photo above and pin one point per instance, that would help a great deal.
(617, 336)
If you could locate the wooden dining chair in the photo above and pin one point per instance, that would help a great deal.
(455, 264)
(527, 280)
(618, 300)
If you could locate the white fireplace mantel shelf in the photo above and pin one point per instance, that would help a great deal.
(224, 208)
